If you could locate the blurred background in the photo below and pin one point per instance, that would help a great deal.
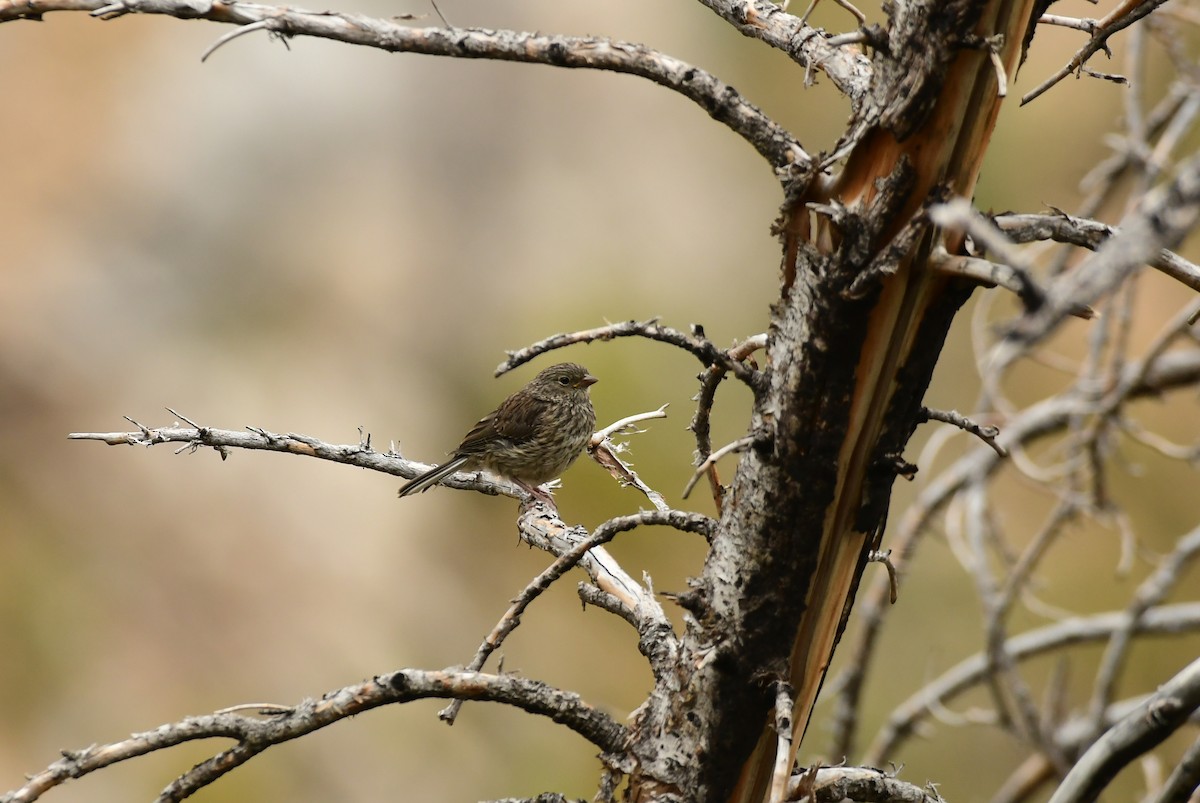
(317, 238)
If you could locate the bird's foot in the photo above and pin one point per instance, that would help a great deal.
(539, 493)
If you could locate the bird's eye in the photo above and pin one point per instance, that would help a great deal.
(564, 380)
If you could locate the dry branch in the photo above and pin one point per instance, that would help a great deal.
(721, 101)
(253, 736)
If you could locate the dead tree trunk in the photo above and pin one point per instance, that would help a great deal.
(861, 318)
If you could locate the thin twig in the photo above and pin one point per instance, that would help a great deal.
(627, 423)
(741, 444)
(234, 34)
(1127, 13)
(710, 380)
(984, 432)
(783, 751)
(604, 533)
(695, 343)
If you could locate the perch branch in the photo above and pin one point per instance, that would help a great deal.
(360, 454)
(538, 524)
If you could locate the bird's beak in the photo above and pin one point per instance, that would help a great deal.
(587, 381)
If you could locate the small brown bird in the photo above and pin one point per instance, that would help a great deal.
(531, 438)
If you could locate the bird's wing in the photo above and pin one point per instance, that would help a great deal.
(514, 421)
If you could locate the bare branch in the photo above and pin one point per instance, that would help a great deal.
(739, 445)
(837, 784)
(985, 432)
(1121, 17)
(1161, 220)
(1184, 779)
(1174, 619)
(605, 453)
(1015, 274)
(849, 70)
(1085, 24)
(696, 344)
(540, 527)
(256, 735)
(360, 455)
(1148, 725)
(1152, 591)
(627, 424)
(692, 522)
(884, 556)
(1157, 372)
(994, 273)
(710, 380)
(261, 25)
(1090, 234)
(721, 101)
(590, 595)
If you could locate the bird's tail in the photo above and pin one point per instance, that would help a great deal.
(432, 477)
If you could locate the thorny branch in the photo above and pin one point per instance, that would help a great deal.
(538, 524)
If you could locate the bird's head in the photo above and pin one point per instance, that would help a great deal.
(565, 377)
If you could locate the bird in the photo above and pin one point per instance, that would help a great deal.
(531, 438)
